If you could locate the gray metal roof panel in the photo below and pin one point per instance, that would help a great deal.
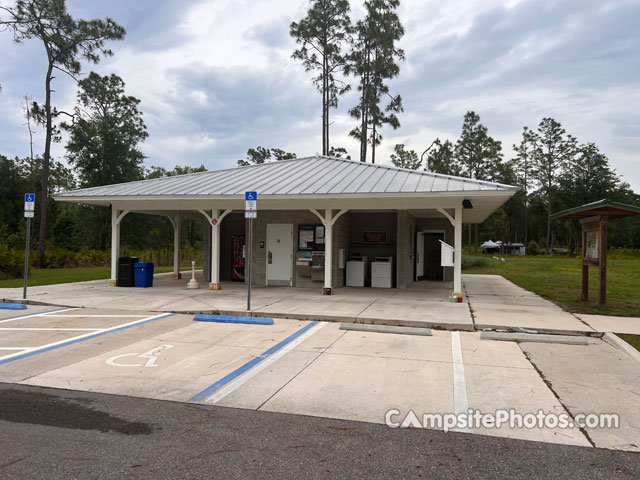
(301, 176)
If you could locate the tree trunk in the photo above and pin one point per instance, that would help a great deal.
(44, 204)
(373, 143)
(475, 243)
(548, 227)
(325, 109)
(526, 223)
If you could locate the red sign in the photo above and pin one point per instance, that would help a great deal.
(375, 237)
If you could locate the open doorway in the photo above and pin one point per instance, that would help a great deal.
(428, 253)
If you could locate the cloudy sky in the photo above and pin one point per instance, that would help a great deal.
(216, 77)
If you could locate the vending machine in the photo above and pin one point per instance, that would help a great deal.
(237, 265)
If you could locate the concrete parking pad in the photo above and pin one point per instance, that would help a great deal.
(329, 373)
(597, 379)
(498, 376)
(606, 323)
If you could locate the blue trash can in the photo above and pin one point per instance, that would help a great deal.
(143, 273)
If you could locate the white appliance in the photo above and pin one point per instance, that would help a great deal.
(356, 271)
(382, 272)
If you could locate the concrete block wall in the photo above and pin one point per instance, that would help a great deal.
(405, 257)
(295, 218)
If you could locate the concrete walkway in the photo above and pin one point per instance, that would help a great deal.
(500, 304)
(491, 303)
(424, 305)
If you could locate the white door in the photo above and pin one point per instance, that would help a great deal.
(419, 255)
(279, 253)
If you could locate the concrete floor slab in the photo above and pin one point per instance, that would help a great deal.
(528, 318)
(424, 302)
(597, 379)
(606, 323)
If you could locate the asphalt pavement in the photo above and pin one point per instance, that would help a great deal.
(52, 433)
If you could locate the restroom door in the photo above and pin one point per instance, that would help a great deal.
(419, 255)
(279, 253)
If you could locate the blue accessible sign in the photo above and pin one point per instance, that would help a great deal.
(250, 204)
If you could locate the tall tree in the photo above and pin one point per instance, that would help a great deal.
(339, 152)
(106, 132)
(522, 168)
(259, 155)
(478, 155)
(66, 41)
(405, 158)
(322, 34)
(553, 149)
(441, 158)
(374, 60)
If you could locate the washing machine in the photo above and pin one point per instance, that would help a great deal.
(356, 270)
(382, 272)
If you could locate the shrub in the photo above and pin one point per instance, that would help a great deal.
(533, 248)
(469, 261)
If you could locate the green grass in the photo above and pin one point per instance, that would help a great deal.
(633, 340)
(51, 276)
(559, 279)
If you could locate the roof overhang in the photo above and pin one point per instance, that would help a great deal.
(484, 202)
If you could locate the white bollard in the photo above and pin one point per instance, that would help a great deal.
(193, 283)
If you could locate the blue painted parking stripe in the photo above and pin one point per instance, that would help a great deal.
(32, 314)
(78, 340)
(250, 364)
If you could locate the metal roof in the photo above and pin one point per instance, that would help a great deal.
(313, 176)
(601, 207)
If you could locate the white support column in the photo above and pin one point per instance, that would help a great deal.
(116, 218)
(457, 267)
(215, 220)
(176, 221)
(328, 221)
(328, 253)
(215, 250)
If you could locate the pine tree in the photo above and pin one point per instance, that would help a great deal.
(323, 34)
(553, 149)
(522, 167)
(66, 41)
(373, 59)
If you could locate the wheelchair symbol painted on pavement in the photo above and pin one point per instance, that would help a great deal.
(151, 356)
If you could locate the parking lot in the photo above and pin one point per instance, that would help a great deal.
(315, 368)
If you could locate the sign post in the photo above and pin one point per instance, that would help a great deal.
(29, 209)
(250, 212)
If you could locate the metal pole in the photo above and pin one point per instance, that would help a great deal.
(26, 259)
(249, 261)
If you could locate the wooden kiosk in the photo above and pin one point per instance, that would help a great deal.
(594, 218)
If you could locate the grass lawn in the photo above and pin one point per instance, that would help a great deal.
(560, 280)
(633, 340)
(50, 276)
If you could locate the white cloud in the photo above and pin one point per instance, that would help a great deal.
(216, 77)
